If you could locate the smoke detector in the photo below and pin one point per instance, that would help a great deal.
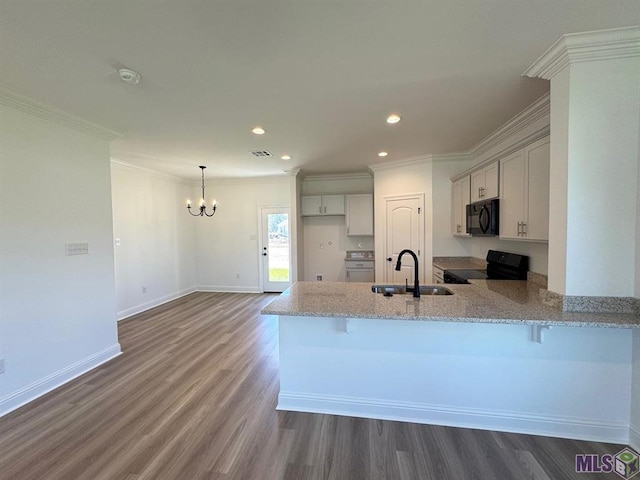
(129, 76)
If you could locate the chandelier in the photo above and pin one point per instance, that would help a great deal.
(202, 210)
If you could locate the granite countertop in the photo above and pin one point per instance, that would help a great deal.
(484, 301)
(446, 263)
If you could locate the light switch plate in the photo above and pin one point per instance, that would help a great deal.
(76, 248)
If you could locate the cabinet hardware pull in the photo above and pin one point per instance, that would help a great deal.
(319, 209)
(325, 209)
(519, 228)
(524, 229)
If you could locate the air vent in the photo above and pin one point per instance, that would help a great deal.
(261, 153)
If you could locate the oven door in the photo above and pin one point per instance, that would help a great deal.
(482, 218)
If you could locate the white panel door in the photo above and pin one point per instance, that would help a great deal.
(404, 224)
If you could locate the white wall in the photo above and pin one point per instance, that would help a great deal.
(325, 246)
(228, 244)
(400, 179)
(156, 258)
(604, 133)
(58, 312)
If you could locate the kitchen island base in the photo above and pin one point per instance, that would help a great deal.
(576, 384)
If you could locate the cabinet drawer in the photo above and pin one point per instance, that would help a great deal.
(358, 264)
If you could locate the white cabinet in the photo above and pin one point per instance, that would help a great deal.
(459, 199)
(359, 214)
(360, 270)
(322, 205)
(438, 275)
(524, 193)
(484, 183)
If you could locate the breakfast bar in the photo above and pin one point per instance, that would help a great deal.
(492, 356)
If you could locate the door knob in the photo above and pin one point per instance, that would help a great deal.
(264, 254)
(389, 259)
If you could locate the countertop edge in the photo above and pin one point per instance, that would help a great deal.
(504, 321)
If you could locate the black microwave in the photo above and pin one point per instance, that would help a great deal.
(482, 218)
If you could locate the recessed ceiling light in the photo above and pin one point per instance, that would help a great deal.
(259, 130)
(129, 76)
(382, 154)
(394, 118)
(286, 157)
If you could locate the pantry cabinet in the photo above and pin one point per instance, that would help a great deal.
(484, 183)
(314, 205)
(359, 214)
(460, 197)
(524, 193)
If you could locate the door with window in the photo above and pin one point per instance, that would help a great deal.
(275, 249)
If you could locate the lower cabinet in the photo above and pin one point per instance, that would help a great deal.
(360, 270)
(438, 275)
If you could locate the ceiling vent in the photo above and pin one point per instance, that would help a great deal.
(261, 153)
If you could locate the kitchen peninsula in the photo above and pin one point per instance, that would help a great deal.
(490, 356)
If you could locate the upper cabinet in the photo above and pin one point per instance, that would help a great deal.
(322, 205)
(460, 197)
(359, 214)
(484, 183)
(524, 193)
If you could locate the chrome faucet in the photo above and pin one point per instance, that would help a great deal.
(416, 283)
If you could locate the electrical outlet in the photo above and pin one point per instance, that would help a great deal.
(319, 277)
(1, 365)
(144, 289)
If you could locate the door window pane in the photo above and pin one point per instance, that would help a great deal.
(278, 244)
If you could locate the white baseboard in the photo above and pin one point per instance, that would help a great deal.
(228, 289)
(455, 417)
(36, 389)
(156, 302)
(634, 438)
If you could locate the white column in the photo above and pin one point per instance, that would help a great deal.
(595, 150)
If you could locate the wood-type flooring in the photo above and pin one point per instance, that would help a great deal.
(193, 397)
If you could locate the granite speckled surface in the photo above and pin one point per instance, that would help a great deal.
(483, 301)
(459, 262)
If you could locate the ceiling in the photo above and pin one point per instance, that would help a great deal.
(319, 76)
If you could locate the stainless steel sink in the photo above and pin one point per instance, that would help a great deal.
(390, 290)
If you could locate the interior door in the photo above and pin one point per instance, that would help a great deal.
(404, 224)
(275, 249)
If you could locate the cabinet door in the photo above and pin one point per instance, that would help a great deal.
(363, 275)
(460, 197)
(537, 159)
(490, 181)
(359, 214)
(333, 204)
(311, 205)
(512, 192)
(477, 184)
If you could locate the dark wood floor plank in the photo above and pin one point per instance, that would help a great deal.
(193, 397)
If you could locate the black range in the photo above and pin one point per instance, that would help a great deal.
(500, 266)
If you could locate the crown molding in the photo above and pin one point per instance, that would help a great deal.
(25, 104)
(450, 157)
(337, 176)
(421, 160)
(149, 171)
(586, 47)
(522, 120)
